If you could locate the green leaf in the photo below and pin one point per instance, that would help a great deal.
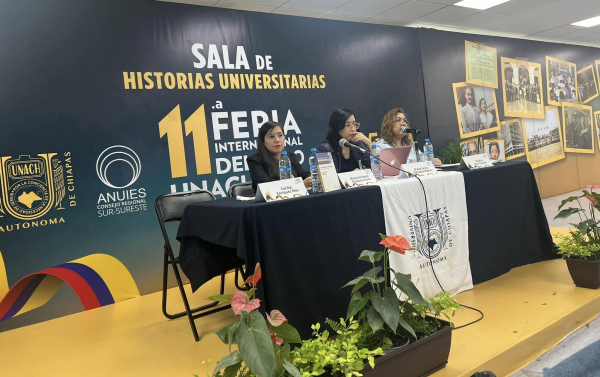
(383, 236)
(388, 306)
(281, 356)
(357, 302)
(567, 212)
(250, 292)
(584, 226)
(406, 285)
(370, 275)
(359, 285)
(230, 359)
(221, 298)
(370, 256)
(287, 332)
(568, 200)
(374, 319)
(256, 346)
(227, 333)
(291, 369)
(406, 326)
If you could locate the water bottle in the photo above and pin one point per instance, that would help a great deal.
(428, 149)
(314, 171)
(285, 167)
(376, 163)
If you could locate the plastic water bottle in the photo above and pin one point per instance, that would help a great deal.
(428, 149)
(285, 167)
(314, 171)
(376, 164)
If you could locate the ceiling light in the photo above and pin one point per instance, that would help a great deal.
(588, 23)
(480, 4)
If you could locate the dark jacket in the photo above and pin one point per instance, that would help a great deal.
(336, 154)
(259, 170)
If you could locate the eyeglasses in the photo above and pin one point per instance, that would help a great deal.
(401, 120)
(355, 124)
(279, 135)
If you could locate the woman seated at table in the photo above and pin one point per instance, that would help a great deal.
(343, 125)
(392, 136)
(264, 164)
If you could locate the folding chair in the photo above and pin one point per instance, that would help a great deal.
(170, 208)
(243, 189)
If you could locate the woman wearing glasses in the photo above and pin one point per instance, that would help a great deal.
(392, 136)
(264, 164)
(343, 125)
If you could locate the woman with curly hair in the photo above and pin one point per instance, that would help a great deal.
(392, 136)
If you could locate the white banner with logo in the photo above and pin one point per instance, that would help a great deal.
(447, 247)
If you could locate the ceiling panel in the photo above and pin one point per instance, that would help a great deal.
(344, 17)
(381, 21)
(589, 37)
(447, 15)
(194, 2)
(368, 8)
(445, 2)
(480, 20)
(314, 5)
(410, 11)
(519, 6)
(298, 12)
(561, 30)
(581, 32)
(273, 3)
(244, 6)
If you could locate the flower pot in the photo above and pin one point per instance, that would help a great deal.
(421, 358)
(585, 273)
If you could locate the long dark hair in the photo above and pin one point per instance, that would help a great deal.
(337, 122)
(263, 152)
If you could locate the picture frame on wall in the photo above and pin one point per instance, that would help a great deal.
(471, 147)
(511, 132)
(476, 109)
(495, 149)
(561, 81)
(522, 88)
(481, 63)
(597, 119)
(578, 128)
(543, 138)
(587, 86)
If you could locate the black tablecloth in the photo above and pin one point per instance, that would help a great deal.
(308, 247)
(507, 224)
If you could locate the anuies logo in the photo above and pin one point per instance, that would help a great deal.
(33, 187)
(437, 224)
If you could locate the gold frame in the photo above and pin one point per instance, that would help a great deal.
(550, 58)
(457, 85)
(583, 107)
(499, 141)
(597, 113)
(475, 139)
(595, 83)
(499, 137)
(560, 134)
(483, 47)
(522, 115)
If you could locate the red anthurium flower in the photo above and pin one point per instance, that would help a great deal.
(276, 319)
(398, 244)
(277, 340)
(240, 302)
(254, 279)
(591, 199)
(593, 187)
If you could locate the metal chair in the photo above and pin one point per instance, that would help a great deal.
(243, 189)
(170, 207)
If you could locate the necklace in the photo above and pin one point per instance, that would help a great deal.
(346, 152)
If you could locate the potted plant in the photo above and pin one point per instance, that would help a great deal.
(581, 247)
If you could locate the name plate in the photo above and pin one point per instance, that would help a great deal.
(475, 162)
(420, 169)
(280, 190)
(329, 178)
(357, 178)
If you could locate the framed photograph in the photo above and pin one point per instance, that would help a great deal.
(511, 132)
(578, 128)
(598, 70)
(561, 79)
(476, 109)
(471, 147)
(597, 118)
(543, 139)
(522, 89)
(587, 85)
(482, 65)
(494, 148)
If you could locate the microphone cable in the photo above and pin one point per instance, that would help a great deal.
(428, 239)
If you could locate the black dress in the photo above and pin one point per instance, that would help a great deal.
(260, 172)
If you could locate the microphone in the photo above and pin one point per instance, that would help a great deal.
(346, 143)
(406, 130)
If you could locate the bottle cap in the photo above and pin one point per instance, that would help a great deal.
(426, 140)
(284, 153)
(313, 150)
(374, 145)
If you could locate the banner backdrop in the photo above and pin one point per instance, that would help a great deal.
(107, 104)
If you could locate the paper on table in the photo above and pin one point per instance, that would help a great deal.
(244, 198)
(450, 165)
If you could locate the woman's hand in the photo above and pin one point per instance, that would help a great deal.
(437, 162)
(361, 137)
(308, 182)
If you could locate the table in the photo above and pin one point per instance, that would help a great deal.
(308, 247)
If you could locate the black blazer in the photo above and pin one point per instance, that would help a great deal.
(336, 154)
(259, 170)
